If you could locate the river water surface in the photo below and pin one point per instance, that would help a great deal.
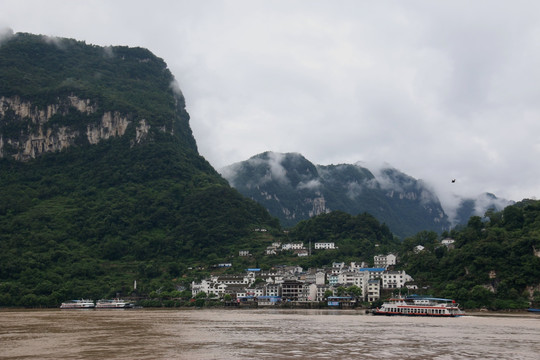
(262, 334)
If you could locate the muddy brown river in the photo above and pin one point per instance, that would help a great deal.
(262, 334)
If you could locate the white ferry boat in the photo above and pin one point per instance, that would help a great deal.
(78, 304)
(416, 305)
(113, 304)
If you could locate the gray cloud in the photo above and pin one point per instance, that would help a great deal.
(309, 185)
(5, 34)
(440, 90)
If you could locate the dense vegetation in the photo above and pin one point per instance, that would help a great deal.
(88, 221)
(358, 238)
(493, 264)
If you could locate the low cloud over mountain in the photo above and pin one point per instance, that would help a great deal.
(294, 189)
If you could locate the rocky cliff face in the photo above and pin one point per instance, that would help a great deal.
(57, 93)
(35, 130)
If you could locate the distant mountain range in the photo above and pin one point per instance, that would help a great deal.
(294, 189)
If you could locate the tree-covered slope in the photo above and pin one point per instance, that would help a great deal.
(357, 238)
(494, 262)
(113, 202)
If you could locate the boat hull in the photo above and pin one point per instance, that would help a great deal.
(416, 305)
(77, 305)
(385, 313)
(113, 304)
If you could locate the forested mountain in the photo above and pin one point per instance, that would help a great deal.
(101, 183)
(294, 189)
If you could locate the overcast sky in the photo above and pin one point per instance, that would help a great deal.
(437, 89)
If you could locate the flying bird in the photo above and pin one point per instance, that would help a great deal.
(453, 180)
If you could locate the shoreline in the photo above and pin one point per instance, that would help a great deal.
(472, 312)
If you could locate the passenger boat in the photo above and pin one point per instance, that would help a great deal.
(113, 304)
(416, 305)
(78, 304)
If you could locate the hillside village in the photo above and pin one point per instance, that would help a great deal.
(346, 284)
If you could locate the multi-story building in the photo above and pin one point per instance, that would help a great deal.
(293, 246)
(255, 291)
(373, 290)
(308, 293)
(322, 289)
(317, 277)
(355, 267)
(384, 261)
(291, 290)
(247, 279)
(333, 279)
(394, 279)
(208, 287)
(273, 289)
(349, 278)
(324, 245)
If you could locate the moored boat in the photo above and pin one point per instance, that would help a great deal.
(533, 310)
(415, 305)
(113, 304)
(78, 304)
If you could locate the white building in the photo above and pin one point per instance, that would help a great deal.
(273, 289)
(337, 267)
(349, 278)
(255, 291)
(208, 287)
(384, 261)
(388, 279)
(324, 245)
(293, 246)
(308, 293)
(449, 243)
(394, 279)
(356, 267)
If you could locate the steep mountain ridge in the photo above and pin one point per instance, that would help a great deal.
(293, 189)
(101, 182)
